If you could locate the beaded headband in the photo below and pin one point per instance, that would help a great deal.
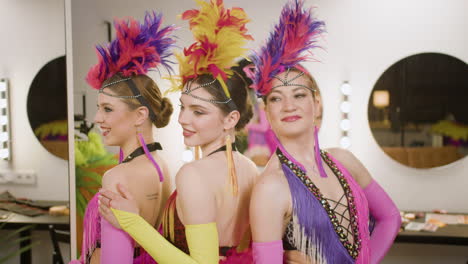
(188, 91)
(136, 95)
(288, 82)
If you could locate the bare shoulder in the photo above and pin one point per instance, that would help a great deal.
(269, 204)
(248, 161)
(165, 166)
(194, 196)
(199, 170)
(352, 164)
(250, 165)
(166, 173)
(114, 176)
(273, 169)
(189, 176)
(161, 161)
(271, 184)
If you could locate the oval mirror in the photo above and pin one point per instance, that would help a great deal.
(47, 107)
(417, 110)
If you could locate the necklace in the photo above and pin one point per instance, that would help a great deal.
(223, 148)
(140, 151)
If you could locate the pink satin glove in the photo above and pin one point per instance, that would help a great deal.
(387, 221)
(268, 252)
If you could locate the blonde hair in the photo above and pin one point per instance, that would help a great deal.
(161, 106)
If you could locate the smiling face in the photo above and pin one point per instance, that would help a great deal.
(115, 119)
(291, 110)
(202, 122)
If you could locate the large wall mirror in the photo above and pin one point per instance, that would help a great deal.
(47, 107)
(417, 110)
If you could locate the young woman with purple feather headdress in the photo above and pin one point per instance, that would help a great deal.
(315, 204)
(129, 105)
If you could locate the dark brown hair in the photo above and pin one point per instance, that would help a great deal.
(161, 106)
(237, 87)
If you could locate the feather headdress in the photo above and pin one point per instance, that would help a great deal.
(287, 46)
(136, 49)
(220, 36)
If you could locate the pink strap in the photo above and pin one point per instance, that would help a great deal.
(387, 221)
(116, 245)
(268, 252)
(121, 155)
(150, 157)
(318, 157)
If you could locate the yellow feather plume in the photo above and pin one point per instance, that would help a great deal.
(220, 36)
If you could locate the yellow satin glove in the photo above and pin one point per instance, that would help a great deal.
(202, 241)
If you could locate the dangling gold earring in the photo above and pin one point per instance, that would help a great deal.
(197, 152)
(231, 167)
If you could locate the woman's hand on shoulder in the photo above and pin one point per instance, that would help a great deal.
(353, 165)
(268, 207)
(112, 177)
(194, 197)
(115, 184)
(114, 194)
(122, 200)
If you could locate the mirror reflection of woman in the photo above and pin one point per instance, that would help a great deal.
(129, 105)
(212, 193)
(313, 203)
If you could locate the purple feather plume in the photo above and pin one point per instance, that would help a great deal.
(296, 33)
(137, 48)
